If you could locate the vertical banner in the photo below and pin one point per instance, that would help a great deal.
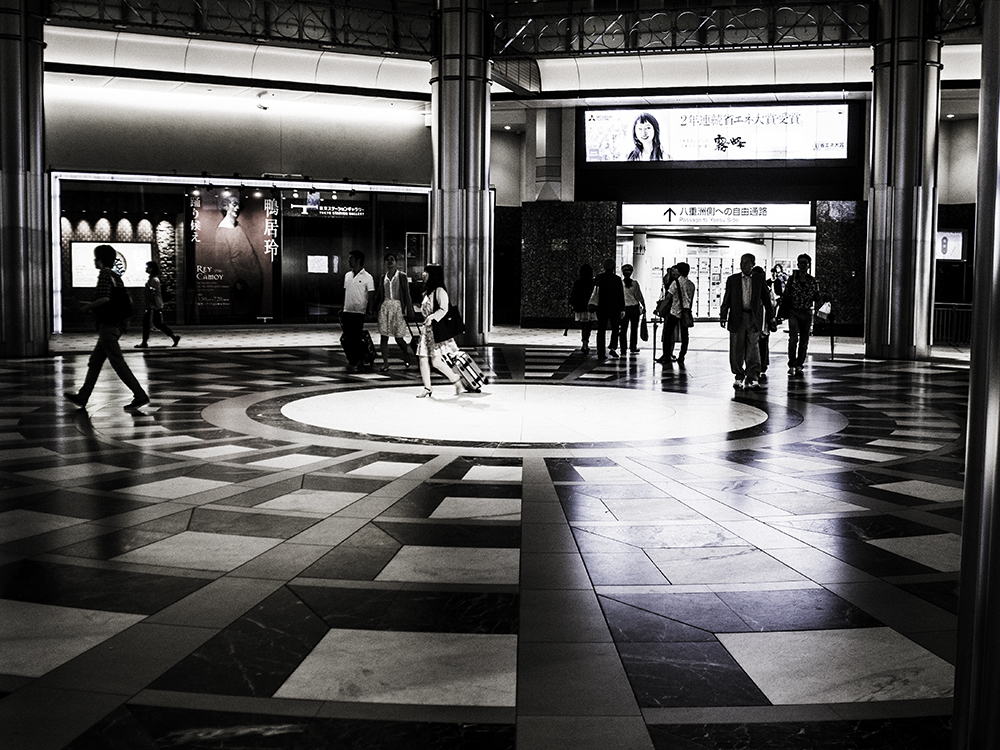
(235, 235)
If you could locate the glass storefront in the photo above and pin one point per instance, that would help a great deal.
(237, 253)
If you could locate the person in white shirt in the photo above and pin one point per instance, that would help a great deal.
(359, 289)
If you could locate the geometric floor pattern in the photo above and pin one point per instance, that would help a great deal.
(687, 567)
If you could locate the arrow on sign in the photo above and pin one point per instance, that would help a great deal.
(669, 213)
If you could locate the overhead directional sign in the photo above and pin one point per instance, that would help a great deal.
(717, 214)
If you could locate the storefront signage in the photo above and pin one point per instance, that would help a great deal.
(699, 134)
(717, 214)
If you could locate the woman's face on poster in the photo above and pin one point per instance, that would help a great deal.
(644, 131)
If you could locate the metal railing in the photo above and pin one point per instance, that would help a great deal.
(952, 323)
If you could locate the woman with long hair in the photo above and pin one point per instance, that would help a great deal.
(434, 306)
(646, 137)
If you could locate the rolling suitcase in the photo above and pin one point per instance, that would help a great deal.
(360, 353)
(472, 377)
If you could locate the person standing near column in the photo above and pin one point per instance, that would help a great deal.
(744, 311)
(800, 296)
(359, 288)
(635, 306)
(610, 308)
(112, 321)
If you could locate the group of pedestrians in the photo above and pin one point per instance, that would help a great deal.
(753, 307)
(611, 303)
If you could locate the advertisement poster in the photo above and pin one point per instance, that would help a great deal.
(736, 133)
(235, 234)
(130, 262)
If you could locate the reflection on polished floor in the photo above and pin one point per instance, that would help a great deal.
(281, 554)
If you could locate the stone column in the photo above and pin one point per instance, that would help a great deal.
(461, 211)
(903, 189)
(25, 258)
(977, 678)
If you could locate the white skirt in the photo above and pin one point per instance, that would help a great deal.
(390, 319)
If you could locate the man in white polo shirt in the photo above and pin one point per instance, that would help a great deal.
(359, 288)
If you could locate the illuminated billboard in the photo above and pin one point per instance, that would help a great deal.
(747, 132)
(130, 262)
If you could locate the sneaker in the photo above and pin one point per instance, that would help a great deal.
(738, 385)
(791, 370)
(633, 351)
(798, 370)
(142, 345)
(177, 340)
(137, 403)
(763, 377)
(74, 398)
(612, 354)
(753, 385)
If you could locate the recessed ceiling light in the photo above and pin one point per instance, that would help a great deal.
(950, 116)
(506, 127)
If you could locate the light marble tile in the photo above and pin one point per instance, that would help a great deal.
(712, 471)
(171, 489)
(166, 440)
(37, 638)
(648, 536)
(290, 461)
(840, 666)
(715, 565)
(796, 464)
(214, 451)
(910, 445)
(808, 503)
(428, 669)
(20, 524)
(72, 471)
(651, 509)
(385, 469)
(939, 551)
(200, 551)
(937, 493)
(493, 474)
(493, 508)
(327, 502)
(20, 454)
(863, 454)
(453, 565)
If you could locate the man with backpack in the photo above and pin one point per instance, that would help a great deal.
(112, 308)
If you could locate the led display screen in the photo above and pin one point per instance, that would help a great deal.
(806, 132)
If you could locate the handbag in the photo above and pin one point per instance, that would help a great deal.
(595, 298)
(663, 307)
(687, 319)
(824, 311)
(449, 326)
(643, 329)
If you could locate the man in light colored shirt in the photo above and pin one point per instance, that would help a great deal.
(359, 289)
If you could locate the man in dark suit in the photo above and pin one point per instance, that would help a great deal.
(746, 308)
(610, 308)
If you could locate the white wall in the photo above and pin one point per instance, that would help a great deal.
(958, 161)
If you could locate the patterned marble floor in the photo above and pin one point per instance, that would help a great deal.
(281, 554)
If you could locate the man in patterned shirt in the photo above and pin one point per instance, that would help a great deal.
(800, 295)
(111, 324)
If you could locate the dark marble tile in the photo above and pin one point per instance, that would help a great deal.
(630, 624)
(453, 534)
(943, 594)
(687, 674)
(796, 609)
(93, 588)
(249, 524)
(65, 502)
(414, 611)
(923, 733)
(352, 563)
(224, 473)
(255, 655)
(136, 727)
(116, 543)
(863, 528)
(258, 495)
(701, 611)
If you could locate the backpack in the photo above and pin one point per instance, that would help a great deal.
(118, 307)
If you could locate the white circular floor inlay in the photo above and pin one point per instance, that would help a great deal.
(526, 413)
